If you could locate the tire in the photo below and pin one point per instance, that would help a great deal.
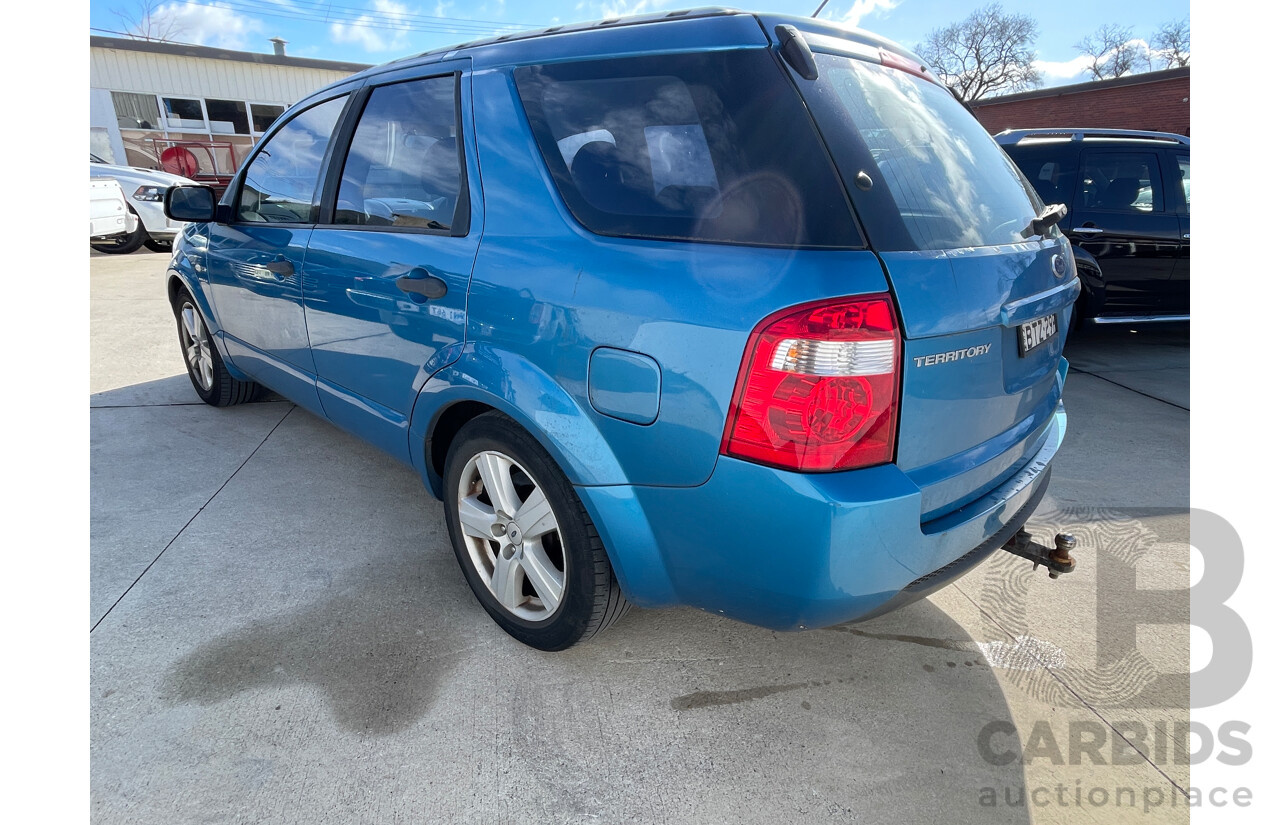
(158, 246)
(515, 566)
(124, 244)
(208, 374)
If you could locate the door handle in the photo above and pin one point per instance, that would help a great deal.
(1088, 230)
(281, 267)
(1186, 236)
(428, 286)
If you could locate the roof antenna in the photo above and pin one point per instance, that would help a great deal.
(820, 8)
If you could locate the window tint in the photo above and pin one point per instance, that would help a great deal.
(403, 168)
(1053, 178)
(1184, 171)
(709, 147)
(953, 186)
(1121, 181)
(280, 183)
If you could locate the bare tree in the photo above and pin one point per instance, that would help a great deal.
(1112, 50)
(1172, 44)
(148, 21)
(987, 52)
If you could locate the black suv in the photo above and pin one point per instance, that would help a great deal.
(1129, 199)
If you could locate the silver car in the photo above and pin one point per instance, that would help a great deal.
(144, 192)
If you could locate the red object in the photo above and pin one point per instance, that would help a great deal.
(179, 161)
(814, 422)
(896, 61)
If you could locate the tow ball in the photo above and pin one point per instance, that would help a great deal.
(1057, 558)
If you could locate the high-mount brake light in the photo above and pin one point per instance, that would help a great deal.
(896, 61)
(818, 387)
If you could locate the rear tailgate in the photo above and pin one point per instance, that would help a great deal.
(951, 219)
(974, 405)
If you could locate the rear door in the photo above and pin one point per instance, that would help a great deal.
(1179, 169)
(1123, 218)
(255, 260)
(982, 299)
(388, 267)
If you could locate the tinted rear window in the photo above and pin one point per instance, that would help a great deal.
(708, 147)
(949, 184)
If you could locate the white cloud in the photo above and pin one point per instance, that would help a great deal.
(207, 24)
(865, 8)
(1063, 69)
(375, 34)
(1076, 70)
(622, 8)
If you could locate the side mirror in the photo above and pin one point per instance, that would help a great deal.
(190, 204)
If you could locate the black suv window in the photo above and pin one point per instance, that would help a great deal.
(1121, 182)
(404, 167)
(1184, 172)
(707, 147)
(280, 183)
(1052, 173)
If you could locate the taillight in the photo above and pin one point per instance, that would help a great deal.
(818, 387)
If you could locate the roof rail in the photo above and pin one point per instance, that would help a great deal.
(567, 28)
(1011, 136)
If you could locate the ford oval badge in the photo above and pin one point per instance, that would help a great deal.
(1059, 266)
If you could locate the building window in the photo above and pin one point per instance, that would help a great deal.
(182, 112)
(264, 114)
(136, 111)
(227, 117)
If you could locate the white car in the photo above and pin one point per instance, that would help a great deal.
(144, 194)
(109, 215)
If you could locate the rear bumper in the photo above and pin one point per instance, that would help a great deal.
(790, 551)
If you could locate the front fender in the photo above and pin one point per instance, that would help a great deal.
(187, 268)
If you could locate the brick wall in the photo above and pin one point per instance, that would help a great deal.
(1161, 106)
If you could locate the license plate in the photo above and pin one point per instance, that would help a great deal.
(1035, 333)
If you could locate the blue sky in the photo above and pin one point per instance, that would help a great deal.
(375, 31)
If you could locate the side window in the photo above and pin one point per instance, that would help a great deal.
(404, 167)
(280, 184)
(708, 147)
(1054, 179)
(1184, 171)
(1121, 182)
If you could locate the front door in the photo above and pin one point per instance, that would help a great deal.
(387, 272)
(255, 261)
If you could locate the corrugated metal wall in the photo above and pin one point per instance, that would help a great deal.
(130, 71)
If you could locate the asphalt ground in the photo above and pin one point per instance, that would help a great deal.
(280, 633)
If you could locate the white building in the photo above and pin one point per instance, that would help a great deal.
(201, 104)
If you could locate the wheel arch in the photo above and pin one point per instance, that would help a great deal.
(486, 379)
(184, 277)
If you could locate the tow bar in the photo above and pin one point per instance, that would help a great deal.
(1057, 558)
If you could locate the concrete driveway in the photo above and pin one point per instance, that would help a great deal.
(280, 633)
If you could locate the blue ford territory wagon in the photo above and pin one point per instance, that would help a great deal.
(708, 308)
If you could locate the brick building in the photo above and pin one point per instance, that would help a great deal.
(1155, 101)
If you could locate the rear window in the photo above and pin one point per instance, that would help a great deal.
(708, 147)
(952, 186)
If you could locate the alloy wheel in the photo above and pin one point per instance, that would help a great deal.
(195, 343)
(512, 537)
